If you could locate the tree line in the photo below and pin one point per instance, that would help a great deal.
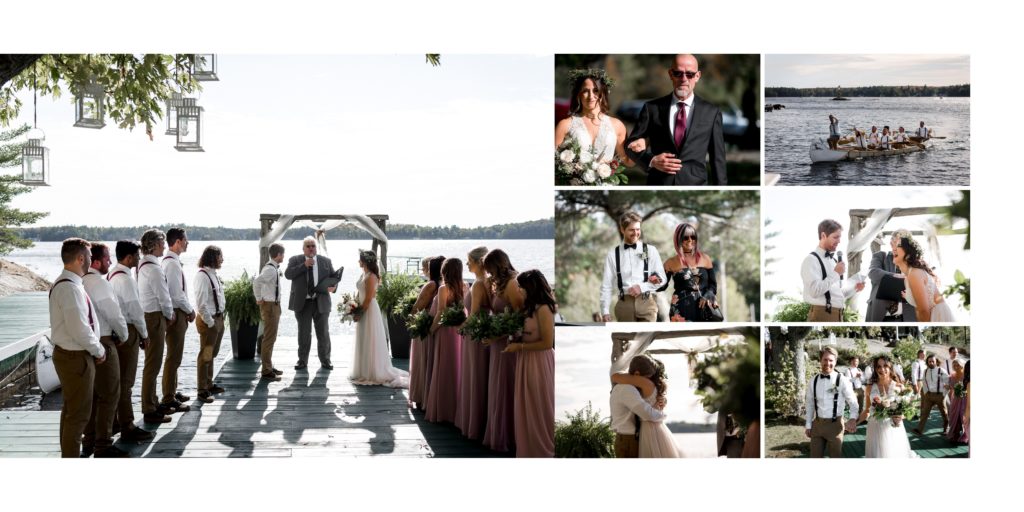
(535, 229)
(874, 91)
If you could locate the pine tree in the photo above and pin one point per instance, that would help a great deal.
(10, 156)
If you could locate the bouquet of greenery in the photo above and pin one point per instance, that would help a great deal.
(904, 406)
(419, 324)
(959, 390)
(508, 323)
(577, 166)
(479, 327)
(454, 315)
(348, 308)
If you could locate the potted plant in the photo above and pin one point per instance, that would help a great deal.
(393, 297)
(585, 435)
(243, 316)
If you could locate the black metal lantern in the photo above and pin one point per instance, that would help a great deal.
(205, 69)
(35, 160)
(171, 113)
(89, 106)
(190, 125)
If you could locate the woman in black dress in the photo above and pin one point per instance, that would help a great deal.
(695, 289)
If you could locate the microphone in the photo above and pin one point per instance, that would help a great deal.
(839, 259)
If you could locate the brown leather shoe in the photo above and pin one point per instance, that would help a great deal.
(271, 377)
(215, 389)
(136, 435)
(204, 397)
(156, 417)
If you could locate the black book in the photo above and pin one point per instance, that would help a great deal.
(890, 288)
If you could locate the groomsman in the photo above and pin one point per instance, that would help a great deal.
(917, 369)
(98, 437)
(267, 289)
(933, 393)
(74, 331)
(127, 292)
(856, 376)
(822, 273)
(627, 405)
(954, 354)
(633, 269)
(824, 424)
(159, 313)
(177, 243)
(210, 303)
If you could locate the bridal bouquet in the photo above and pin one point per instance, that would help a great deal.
(479, 327)
(348, 308)
(419, 324)
(959, 390)
(903, 406)
(454, 315)
(508, 323)
(576, 166)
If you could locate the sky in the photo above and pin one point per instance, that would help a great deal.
(465, 143)
(804, 71)
(796, 211)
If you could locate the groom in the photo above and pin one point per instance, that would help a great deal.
(881, 266)
(628, 408)
(309, 304)
(683, 133)
(822, 273)
(824, 422)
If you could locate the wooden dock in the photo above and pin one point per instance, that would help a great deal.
(311, 413)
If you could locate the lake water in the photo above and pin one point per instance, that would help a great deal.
(789, 133)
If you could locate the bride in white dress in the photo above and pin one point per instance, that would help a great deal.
(371, 365)
(588, 121)
(922, 287)
(656, 441)
(886, 437)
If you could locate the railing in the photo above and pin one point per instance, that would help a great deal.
(18, 360)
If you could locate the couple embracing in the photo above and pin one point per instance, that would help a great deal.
(638, 400)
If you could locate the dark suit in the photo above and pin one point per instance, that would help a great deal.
(882, 265)
(315, 310)
(702, 140)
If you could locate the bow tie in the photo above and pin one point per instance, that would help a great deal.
(829, 254)
(629, 246)
(829, 376)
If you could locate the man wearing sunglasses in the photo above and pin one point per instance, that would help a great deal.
(683, 133)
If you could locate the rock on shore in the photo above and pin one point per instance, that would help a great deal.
(15, 278)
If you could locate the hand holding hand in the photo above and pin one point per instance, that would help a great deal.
(851, 426)
(606, 318)
(667, 163)
(859, 286)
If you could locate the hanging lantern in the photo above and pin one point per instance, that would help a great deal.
(190, 123)
(205, 68)
(89, 106)
(35, 160)
(172, 113)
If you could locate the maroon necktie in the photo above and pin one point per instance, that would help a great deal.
(680, 130)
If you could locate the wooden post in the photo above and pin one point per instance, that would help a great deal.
(856, 224)
(265, 225)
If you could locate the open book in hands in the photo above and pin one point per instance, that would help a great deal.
(329, 281)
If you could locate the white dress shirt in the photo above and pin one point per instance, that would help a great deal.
(897, 369)
(936, 380)
(922, 132)
(73, 322)
(917, 370)
(856, 377)
(948, 365)
(632, 268)
(153, 287)
(104, 303)
(209, 295)
(127, 292)
(815, 287)
(625, 402)
(900, 137)
(826, 402)
(673, 111)
(267, 285)
(176, 282)
(874, 137)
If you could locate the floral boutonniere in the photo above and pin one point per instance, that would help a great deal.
(833, 389)
(644, 255)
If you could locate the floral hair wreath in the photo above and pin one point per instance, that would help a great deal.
(367, 256)
(905, 235)
(598, 73)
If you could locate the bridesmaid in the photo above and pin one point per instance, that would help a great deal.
(535, 370)
(429, 343)
(443, 394)
(501, 373)
(957, 406)
(418, 358)
(475, 356)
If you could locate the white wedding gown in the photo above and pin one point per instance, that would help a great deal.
(371, 365)
(603, 144)
(941, 312)
(656, 441)
(884, 441)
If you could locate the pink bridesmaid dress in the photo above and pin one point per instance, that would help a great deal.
(418, 372)
(501, 382)
(535, 397)
(443, 388)
(473, 390)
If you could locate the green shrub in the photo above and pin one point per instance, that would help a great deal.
(239, 301)
(729, 381)
(585, 435)
(792, 310)
(394, 290)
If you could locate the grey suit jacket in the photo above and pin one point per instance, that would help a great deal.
(296, 273)
(882, 265)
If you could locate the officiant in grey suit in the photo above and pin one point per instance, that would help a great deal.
(311, 305)
(882, 265)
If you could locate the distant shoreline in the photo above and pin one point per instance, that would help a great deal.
(874, 91)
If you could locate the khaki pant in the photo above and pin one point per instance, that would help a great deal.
(106, 391)
(627, 446)
(270, 314)
(175, 340)
(637, 309)
(128, 360)
(827, 433)
(209, 347)
(929, 400)
(818, 314)
(76, 371)
(156, 324)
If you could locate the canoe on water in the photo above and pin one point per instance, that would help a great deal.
(820, 152)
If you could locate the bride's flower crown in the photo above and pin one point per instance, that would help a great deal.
(599, 74)
(368, 256)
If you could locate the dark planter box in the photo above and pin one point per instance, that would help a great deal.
(399, 338)
(243, 340)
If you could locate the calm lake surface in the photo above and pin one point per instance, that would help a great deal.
(789, 133)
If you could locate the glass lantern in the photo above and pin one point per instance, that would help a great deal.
(190, 124)
(35, 161)
(89, 106)
(205, 67)
(172, 113)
